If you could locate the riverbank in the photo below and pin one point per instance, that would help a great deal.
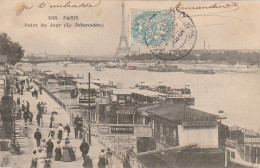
(237, 94)
(28, 144)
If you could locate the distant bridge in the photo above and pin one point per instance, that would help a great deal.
(71, 60)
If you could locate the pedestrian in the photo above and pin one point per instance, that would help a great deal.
(80, 128)
(67, 128)
(28, 106)
(51, 133)
(39, 118)
(45, 108)
(126, 163)
(22, 87)
(60, 131)
(130, 152)
(38, 137)
(76, 120)
(43, 146)
(87, 162)
(40, 90)
(25, 116)
(57, 151)
(66, 155)
(109, 155)
(18, 101)
(84, 148)
(23, 107)
(34, 160)
(49, 146)
(71, 152)
(76, 131)
(83, 133)
(102, 162)
(25, 130)
(36, 94)
(38, 106)
(30, 117)
(47, 163)
(41, 158)
(51, 121)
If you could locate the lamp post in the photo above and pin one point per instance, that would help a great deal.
(89, 117)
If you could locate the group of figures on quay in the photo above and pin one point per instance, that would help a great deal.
(58, 146)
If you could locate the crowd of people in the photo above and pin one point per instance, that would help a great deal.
(47, 152)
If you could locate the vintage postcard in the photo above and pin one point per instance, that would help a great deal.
(129, 84)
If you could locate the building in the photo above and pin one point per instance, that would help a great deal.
(178, 125)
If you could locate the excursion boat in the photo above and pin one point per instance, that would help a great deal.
(164, 68)
(82, 86)
(169, 93)
(200, 71)
(99, 68)
(242, 148)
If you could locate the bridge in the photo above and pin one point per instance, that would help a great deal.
(71, 60)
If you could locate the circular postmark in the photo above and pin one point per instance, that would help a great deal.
(170, 35)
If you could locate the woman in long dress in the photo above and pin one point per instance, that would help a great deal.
(102, 162)
(71, 152)
(109, 155)
(66, 155)
(41, 158)
(34, 160)
(57, 151)
(43, 147)
(60, 132)
(47, 163)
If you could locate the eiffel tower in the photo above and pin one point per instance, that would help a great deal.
(122, 50)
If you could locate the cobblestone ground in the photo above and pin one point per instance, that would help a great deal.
(28, 144)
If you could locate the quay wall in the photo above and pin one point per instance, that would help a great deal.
(51, 95)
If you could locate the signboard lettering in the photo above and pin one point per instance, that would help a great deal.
(123, 110)
(252, 140)
(85, 100)
(208, 121)
(122, 130)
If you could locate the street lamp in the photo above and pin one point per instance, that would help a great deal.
(89, 117)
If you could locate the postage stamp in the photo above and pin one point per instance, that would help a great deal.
(153, 27)
(169, 34)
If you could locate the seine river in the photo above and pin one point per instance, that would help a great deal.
(237, 94)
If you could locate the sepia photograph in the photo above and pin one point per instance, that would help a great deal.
(129, 84)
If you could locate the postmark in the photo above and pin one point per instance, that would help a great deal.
(169, 35)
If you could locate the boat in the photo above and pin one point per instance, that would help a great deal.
(164, 68)
(169, 93)
(99, 68)
(242, 148)
(200, 71)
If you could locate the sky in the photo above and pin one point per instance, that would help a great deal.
(219, 28)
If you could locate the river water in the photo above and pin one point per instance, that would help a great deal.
(237, 94)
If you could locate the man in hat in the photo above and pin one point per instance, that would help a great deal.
(38, 137)
(49, 146)
(67, 128)
(84, 148)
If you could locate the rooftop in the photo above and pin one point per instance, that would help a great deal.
(122, 91)
(173, 112)
(145, 92)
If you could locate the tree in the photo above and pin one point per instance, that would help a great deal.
(13, 50)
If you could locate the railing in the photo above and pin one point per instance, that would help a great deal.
(135, 163)
(139, 130)
(51, 95)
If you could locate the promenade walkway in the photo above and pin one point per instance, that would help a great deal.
(28, 144)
